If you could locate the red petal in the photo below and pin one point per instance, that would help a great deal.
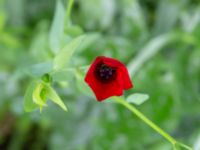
(104, 90)
(114, 88)
(125, 75)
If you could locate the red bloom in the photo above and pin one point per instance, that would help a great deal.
(107, 77)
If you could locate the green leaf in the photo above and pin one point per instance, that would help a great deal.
(39, 46)
(57, 28)
(68, 13)
(92, 38)
(2, 21)
(39, 69)
(81, 84)
(53, 96)
(137, 98)
(149, 50)
(62, 77)
(29, 105)
(39, 95)
(63, 57)
(9, 40)
(167, 15)
(73, 30)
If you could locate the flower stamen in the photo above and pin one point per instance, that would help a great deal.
(105, 73)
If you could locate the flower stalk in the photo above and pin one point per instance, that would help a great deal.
(68, 11)
(140, 115)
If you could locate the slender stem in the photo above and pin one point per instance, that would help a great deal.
(149, 122)
(145, 119)
(185, 146)
(68, 11)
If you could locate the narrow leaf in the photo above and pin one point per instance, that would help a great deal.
(53, 96)
(73, 30)
(2, 21)
(39, 95)
(57, 27)
(151, 48)
(81, 85)
(38, 70)
(137, 98)
(29, 105)
(66, 53)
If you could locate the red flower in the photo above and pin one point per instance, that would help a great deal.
(107, 77)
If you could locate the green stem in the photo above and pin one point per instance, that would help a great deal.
(149, 122)
(185, 146)
(146, 120)
(68, 11)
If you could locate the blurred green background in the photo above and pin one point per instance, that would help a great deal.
(158, 40)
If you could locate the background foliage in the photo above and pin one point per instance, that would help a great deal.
(159, 42)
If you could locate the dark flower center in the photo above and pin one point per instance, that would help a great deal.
(105, 73)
